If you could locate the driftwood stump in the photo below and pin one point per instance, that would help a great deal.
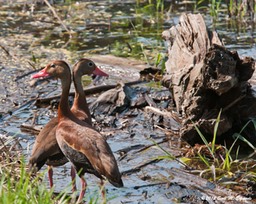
(204, 78)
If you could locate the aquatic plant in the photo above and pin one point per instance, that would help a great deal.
(241, 8)
(232, 8)
(213, 8)
(151, 7)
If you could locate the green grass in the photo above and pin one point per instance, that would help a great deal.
(218, 163)
(18, 186)
(239, 135)
(213, 8)
(237, 9)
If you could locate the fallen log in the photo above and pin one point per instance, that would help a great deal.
(207, 191)
(204, 78)
(87, 91)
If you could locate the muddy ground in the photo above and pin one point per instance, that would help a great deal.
(129, 134)
(132, 134)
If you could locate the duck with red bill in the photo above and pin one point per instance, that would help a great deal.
(45, 149)
(97, 72)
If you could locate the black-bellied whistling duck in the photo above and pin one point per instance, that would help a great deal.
(82, 145)
(46, 149)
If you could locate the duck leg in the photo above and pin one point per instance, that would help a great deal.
(73, 177)
(50, 173)
(84, 185)
(103, 191)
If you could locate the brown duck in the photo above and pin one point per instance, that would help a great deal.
(46, 149)
(82, 145)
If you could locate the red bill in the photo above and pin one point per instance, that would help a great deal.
(42, 73)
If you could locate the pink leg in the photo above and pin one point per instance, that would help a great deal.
(50, 173)
(73, 177)
(84, 185)
(102, 190)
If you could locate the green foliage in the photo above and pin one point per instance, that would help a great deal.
(213, 9)
(199, 5)
(205, 141)
(145, 49)
(239, 135)
(215, 162)
(233, 8)
(228, 159)
(18, 185)
(169, 156)
(222, 163)
(219, 167)
(152, 7)
(160, 62)
(155, 11)
(215, 131)
(22, 187)
(204, 159)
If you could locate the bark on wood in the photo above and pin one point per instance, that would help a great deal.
(204, 77)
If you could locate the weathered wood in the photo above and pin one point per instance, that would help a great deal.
(31, 129)
(204, 77)
(87, 91)
(174, 123)
(211, 192)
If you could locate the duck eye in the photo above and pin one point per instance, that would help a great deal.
(52, 65)
(90, 64)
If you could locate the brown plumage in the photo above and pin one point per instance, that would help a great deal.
(84, 146)
(46, 149)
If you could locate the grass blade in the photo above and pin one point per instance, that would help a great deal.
(215, 132)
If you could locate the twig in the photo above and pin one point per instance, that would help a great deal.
(56, 15)
(149, 100)
(4, 146)
(5, 50)
(138, 168)
(233, 103)
(32, 129)
(150, 185)
(140, 148)
(125, 150)
(130, 148)
(151, 145)
(175, 122)
(162, 112)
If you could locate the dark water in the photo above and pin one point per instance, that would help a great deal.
(122, 28)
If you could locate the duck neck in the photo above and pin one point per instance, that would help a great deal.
(80, 102)
(64, 109)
